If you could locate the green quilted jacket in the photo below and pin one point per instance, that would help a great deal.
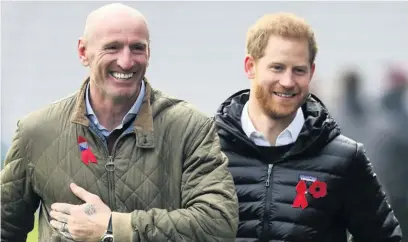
(169, 183)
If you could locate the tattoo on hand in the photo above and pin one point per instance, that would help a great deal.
(89, 209)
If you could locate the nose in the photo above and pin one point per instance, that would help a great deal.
(287, 80)
(125, 60)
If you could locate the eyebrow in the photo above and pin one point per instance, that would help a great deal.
(281, 64)
(117, 43)
(302, 67)
(112, 43)
(140, 44)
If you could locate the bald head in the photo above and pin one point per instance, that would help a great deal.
(108, 13)
(116, 48)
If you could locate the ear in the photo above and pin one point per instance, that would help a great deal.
(82, 53)
(312, 71)
(249, 65)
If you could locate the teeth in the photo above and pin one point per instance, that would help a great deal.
(119, 75)
(280, 94)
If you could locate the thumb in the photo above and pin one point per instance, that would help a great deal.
(81, 193)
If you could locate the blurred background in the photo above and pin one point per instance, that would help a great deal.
(197, 55)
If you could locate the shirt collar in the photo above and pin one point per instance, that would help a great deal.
(290, 134)
(133, 110)
(89, 110)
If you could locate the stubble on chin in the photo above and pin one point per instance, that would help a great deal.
(125, 97)
(273, 109)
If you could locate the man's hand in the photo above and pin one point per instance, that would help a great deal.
(86, 222)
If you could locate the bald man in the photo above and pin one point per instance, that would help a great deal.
(118, 160)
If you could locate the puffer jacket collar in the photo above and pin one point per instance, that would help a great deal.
(143, 124)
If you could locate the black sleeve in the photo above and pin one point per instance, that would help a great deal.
(369, 216)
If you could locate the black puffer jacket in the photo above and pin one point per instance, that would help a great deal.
(354, 199)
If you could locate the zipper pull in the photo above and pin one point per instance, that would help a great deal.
(110, 166)
(269, 175)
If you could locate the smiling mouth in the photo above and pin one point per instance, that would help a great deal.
(122, 76)
(284, 95)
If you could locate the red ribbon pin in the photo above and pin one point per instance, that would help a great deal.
(300, 199)
(86, 152)
(318, 189)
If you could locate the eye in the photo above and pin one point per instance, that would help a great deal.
(300, 71)
(277, 68)
(138, 47)
(112, 47)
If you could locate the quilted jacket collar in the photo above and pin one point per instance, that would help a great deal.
(143, 125)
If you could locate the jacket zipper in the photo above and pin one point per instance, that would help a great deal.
(269, 175)
(268, 201)
(110, 161)
(110, 168)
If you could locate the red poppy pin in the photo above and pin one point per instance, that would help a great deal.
(318, 189)
(86, 152)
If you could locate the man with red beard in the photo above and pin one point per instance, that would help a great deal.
(297, 177)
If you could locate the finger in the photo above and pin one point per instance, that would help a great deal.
(61, 217)
(62, 207)
(59, 226)
(64, 230)
(67, 234)
(83, 194)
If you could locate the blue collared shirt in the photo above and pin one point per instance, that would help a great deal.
(129, 116)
